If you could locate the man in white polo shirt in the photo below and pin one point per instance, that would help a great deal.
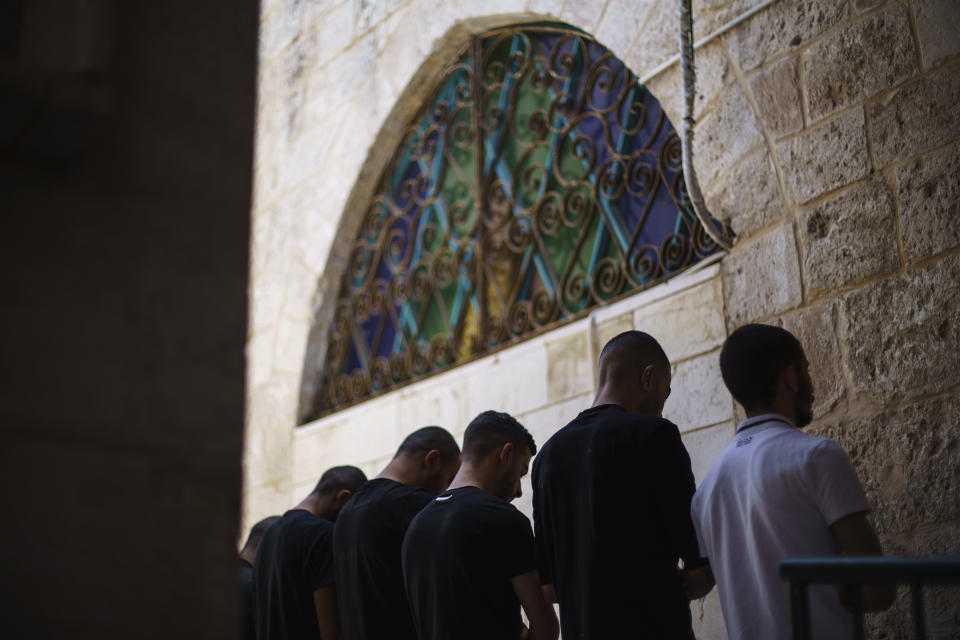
(777, 492)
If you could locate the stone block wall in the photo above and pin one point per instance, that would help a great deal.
(827, 135)
(860, 121)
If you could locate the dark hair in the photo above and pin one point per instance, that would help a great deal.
(339, 478)
(752, 359)
(629, 351)
(257, 531)
(427, 439)
(491, 430)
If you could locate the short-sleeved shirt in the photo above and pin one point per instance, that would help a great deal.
(611, 507)
(294, 559)
(773, 494)
(366, 551)
(459, 556)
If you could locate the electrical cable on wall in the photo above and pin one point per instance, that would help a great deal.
(718, 232)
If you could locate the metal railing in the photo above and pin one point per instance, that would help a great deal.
(864, 570)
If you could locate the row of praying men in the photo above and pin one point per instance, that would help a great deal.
(622, 540)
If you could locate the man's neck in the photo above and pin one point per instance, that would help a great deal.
(399, 470)
(623, 403)
(631, 399)
(470, 476)
(780, 411)
(610, 396)
(314, 506)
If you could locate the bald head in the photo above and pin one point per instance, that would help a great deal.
(634, 374)
(628, 354)
(428, 458)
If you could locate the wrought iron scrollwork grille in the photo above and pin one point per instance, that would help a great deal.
(540, 180)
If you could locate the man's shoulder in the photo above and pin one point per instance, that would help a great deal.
(508, 510)
(408, 496)
(496, 514)
(433, 517)
(808, 444)
(618, 420)
(620, 434)
(302, 523)
(826, 453)
(371, 491)
(563, 433)
(783, 452)
(385, 495)
(296, 535)
(643, 433)
(610, 421)
(472, 503)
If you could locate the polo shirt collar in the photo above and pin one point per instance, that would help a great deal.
(775, 418)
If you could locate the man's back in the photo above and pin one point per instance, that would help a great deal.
(611, 506)
(366, 544)
(459, 556)
(772, 494)
(294, 559)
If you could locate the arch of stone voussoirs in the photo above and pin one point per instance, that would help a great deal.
(407, 104)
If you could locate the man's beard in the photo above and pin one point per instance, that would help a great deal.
(804, 405)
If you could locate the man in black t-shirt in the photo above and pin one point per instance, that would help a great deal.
(469, 560)
(370, 530)
(611, 507)
(293, 583)
(247, 556)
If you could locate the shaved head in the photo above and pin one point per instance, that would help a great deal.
(427, 439)
(629, 353)
(339, 478)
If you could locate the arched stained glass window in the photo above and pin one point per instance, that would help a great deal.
(562, 191)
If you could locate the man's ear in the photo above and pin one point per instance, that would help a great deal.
(342, 496)
(791, 377)
(647, 377)
(432, 459)
(506, 453)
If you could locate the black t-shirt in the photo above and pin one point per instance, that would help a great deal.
(246, 588)
(294, 559)
(366, 553)
(459, 555)
(611, 509)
